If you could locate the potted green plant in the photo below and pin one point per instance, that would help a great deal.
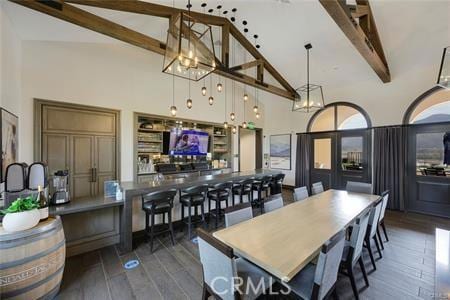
(22, 214)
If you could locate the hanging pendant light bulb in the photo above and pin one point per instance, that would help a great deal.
(244, 124)
(189, 103)
(255, 108)
(225, 125)
(257, 115)
(219, 87)
(173, 110)
(211, 100)
(233, 129)
(232, 116)
(203, 91)
(245, 97)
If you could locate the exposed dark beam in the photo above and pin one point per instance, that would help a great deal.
(90, 21)
(368, 46)
(247, 65)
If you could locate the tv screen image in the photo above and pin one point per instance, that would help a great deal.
(188, 142)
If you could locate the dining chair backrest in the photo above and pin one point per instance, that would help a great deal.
(238, 213)
(317, 188)
(385, 196)
(328, 265)
(273, 202)
(358, 234)
(279, 178)
(245, 182)
(222, 186)
(159, 198)
(300, 193)
(218, 262)
(374, 217)
(359, 187)
(196, 190)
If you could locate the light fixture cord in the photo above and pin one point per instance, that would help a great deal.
(307, 79)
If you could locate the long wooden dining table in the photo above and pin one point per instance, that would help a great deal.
(282, 242)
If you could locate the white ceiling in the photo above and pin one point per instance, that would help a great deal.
(406, 27)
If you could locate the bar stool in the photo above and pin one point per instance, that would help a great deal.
(193, 197)
(243, 188)
(276, 186)
(220, 192)
(261, 185)
(158, 203)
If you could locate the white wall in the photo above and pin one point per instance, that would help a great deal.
(113, 76)
(10, 65)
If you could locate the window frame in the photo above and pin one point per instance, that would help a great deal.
(412, 107)
(335, 106)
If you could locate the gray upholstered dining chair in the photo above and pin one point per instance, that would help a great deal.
(221, 269)
(353, 251)
(238, 213)
(300, 193)
(318, 281)
(317, 188)
(371, 234)
(273, 203)
(359, 187)
(385, 196)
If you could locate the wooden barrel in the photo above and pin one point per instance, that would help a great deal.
(32, 261)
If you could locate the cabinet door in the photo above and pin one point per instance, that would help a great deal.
(82, 166)
(56, 153)
(105, 161)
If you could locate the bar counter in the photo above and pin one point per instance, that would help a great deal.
(94, 222)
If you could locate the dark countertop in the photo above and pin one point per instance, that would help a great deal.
(84, 204)
(132, 188)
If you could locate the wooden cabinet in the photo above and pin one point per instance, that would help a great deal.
(83, 141)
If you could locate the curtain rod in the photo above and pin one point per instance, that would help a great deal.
(376, 127)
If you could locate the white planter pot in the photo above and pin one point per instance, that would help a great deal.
(21, 220)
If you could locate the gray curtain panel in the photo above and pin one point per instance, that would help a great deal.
(389, 164)
(302, 161)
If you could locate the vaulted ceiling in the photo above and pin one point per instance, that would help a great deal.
(412, 33)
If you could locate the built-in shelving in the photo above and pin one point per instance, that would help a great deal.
(150, 140)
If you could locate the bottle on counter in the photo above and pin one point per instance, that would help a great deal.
(43, 203)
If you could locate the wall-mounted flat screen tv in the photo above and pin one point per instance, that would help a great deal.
(188, 142)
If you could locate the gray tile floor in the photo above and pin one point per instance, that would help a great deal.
(406, 270)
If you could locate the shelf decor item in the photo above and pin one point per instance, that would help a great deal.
(280, 151)
(22, 214)
(309, 97)
(189, 48)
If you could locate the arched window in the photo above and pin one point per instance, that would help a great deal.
(431, 107)
(339, 116)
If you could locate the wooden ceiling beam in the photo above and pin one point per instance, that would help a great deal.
(62, 10)
(369, 46)
(247, 65)
(147, 8)
(90, 21)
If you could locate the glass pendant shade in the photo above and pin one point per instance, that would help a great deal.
(255, 108)
(173, 110)
(225, 125)
(203, 91)
(245, 97)
(189, 103)
(444, 71)
(232, 116)
(189, 48)
(257, 115)
(219, 87)
(233, 130)
(210, 100)
(244, 124)
(309, 99)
